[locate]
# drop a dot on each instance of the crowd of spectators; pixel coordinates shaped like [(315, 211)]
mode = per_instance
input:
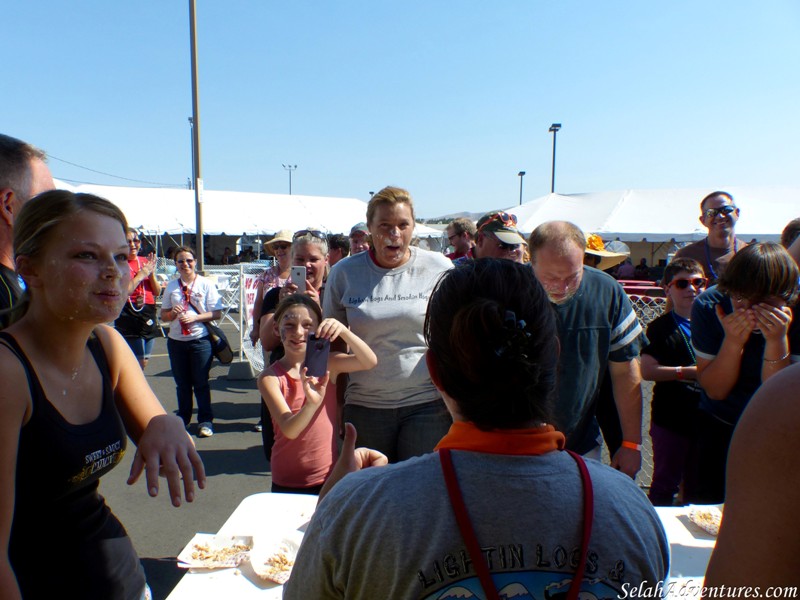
[(465, 377)]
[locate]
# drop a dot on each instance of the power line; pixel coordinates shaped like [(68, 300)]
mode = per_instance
[(79, 182), (175, 185)]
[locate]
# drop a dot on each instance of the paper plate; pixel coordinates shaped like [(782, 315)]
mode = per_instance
[(211, 551), (706, 516), (274, 561)]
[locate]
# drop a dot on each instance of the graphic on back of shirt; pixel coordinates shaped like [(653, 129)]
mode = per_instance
[(527, 585), (453, 577)]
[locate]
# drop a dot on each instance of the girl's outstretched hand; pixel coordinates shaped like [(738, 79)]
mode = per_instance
[(314, 387), (166, 449)]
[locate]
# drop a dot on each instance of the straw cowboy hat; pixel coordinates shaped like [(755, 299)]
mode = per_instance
[(596, 247)]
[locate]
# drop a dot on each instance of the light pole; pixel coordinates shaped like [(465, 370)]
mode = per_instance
[(196, 172), (191, 143), (521, 175), (290, 168), (554, 130)]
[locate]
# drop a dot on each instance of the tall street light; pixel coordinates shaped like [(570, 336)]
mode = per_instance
[(290, 168), (196, 173), (554, 130), (191, 143), (521, 175)]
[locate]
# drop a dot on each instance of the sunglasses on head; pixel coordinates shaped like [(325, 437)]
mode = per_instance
[(682, 284), (312, 232), (503, 217), (722, 210)]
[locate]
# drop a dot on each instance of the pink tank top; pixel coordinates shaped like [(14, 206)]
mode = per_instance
[(306, 460)]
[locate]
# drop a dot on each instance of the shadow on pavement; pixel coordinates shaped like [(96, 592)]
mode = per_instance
[(244, 461)]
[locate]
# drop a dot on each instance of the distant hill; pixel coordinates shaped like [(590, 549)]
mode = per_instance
[(447, 218)]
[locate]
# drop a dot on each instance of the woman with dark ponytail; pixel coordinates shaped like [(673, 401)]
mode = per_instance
[(500, 508)]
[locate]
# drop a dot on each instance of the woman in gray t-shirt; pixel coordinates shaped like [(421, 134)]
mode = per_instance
[(382, 296)]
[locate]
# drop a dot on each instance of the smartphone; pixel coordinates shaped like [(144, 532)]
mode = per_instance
[(317, 350), (298, 277)]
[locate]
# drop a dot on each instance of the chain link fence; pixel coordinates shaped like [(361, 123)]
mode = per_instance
[(647, 309)]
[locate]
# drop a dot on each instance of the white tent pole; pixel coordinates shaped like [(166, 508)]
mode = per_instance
[(242, 311)]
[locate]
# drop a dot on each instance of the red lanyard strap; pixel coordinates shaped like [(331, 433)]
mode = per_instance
[(588, 520), (465, 525), (471, 541)]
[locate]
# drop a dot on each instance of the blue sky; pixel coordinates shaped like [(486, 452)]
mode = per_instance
[(448, 99)]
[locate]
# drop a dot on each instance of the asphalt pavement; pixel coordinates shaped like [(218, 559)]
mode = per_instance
[(235, 466)]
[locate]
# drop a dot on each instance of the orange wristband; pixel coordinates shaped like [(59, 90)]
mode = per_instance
[(632, 446)]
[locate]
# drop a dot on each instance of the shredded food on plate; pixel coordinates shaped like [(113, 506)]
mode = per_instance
[(708, 518), (280, 567), (226, 554)]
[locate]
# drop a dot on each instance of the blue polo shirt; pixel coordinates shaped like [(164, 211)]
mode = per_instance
[(707, 337)]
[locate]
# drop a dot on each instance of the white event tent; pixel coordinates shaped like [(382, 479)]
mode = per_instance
[(169, 210), (157, 211), (662, 215)]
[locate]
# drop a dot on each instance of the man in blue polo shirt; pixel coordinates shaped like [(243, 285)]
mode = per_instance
[(597, 327)]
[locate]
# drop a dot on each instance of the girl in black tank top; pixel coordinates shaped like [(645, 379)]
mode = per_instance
[(85, 395)]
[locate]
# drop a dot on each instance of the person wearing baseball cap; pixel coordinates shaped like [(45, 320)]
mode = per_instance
[(359, 238), (497, 237)]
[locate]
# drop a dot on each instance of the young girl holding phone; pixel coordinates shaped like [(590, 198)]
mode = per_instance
[(302, 407)]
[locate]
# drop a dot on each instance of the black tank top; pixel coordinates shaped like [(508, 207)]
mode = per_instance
[(64, 539)]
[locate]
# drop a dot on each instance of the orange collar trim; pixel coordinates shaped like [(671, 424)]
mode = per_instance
[(533, 441)]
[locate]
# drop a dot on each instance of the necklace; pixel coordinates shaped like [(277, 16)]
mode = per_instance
[(711, 270), (685, 339), (139, 288)]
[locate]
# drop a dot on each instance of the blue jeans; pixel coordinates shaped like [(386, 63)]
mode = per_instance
[(191, 363), (142, 347), (400, 433)]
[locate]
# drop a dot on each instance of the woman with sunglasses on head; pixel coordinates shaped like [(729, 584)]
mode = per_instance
[(73, 394), (309, 250), (382, 295), (743, 333), (669, 360), (500, 510), (137, 321), (190, 301)]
